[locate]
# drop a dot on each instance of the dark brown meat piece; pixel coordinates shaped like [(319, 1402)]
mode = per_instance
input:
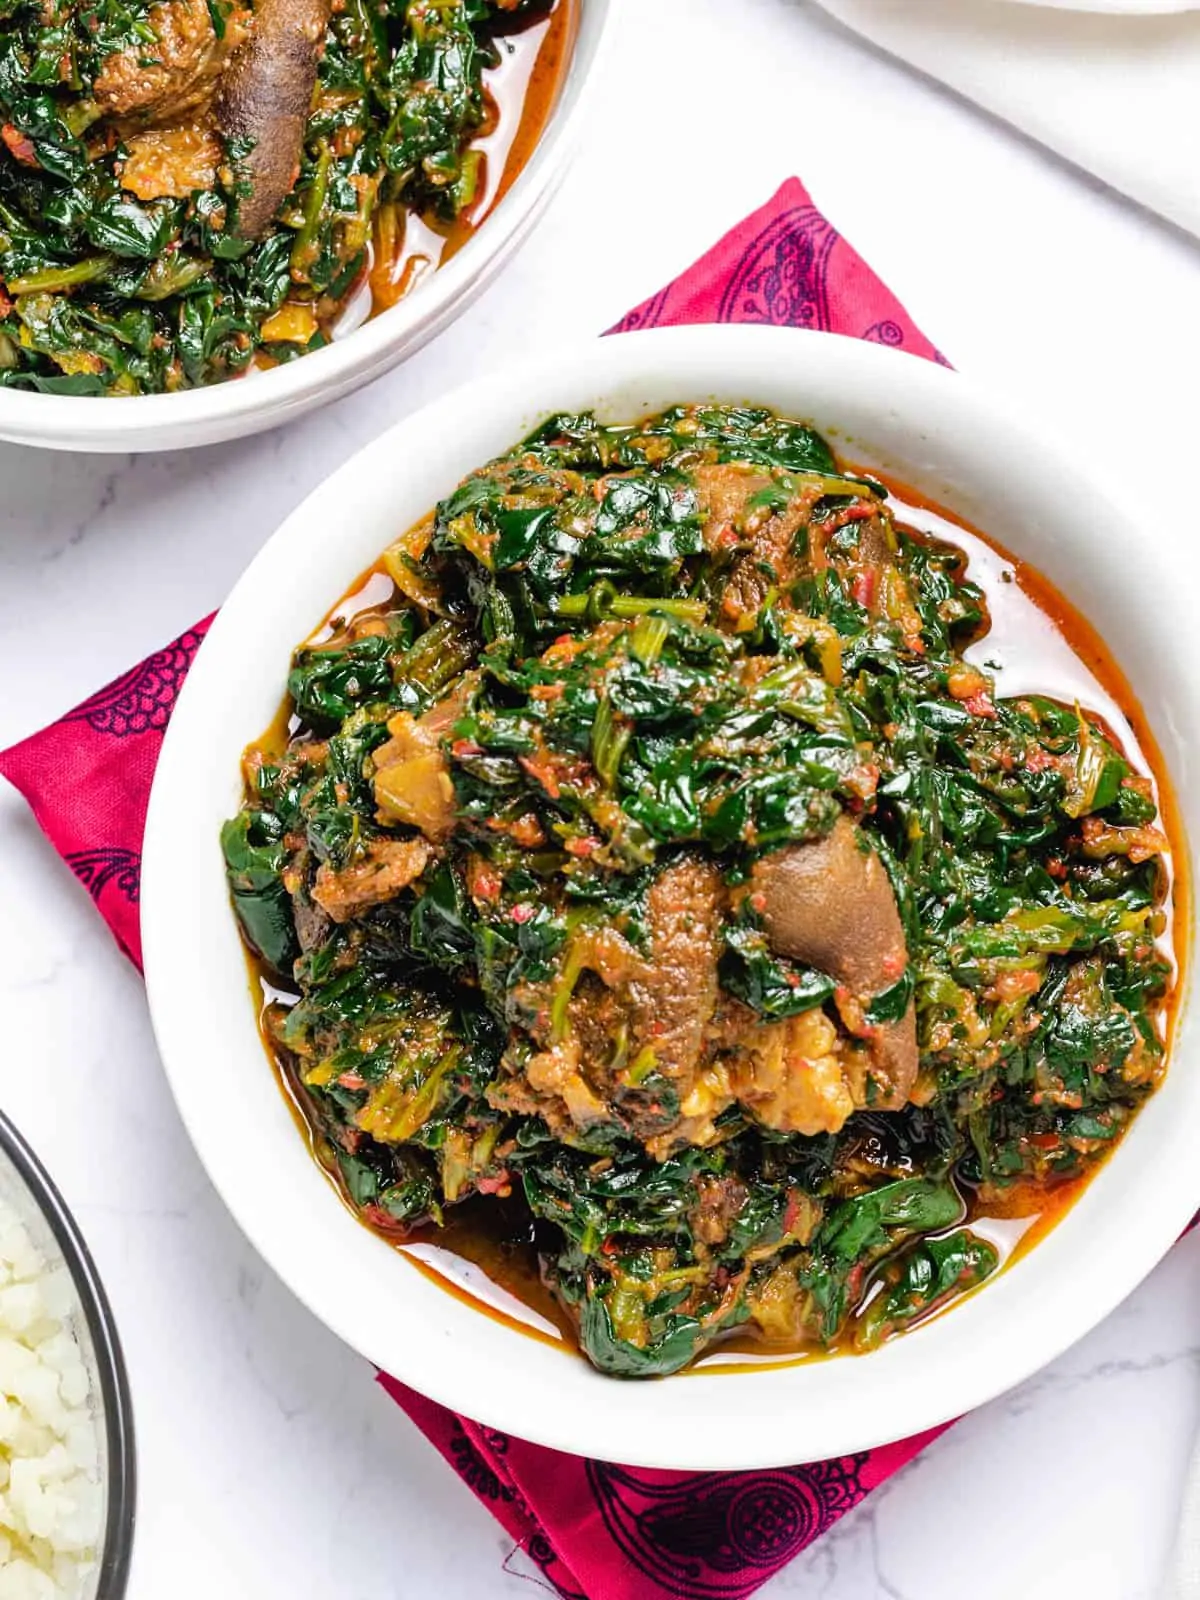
[(312, 924), (381, 872), (674, 995), (876, 543), (717, 1204), (725, 491), (657, 1008), (264, 99), (830, 905), (156, 83)]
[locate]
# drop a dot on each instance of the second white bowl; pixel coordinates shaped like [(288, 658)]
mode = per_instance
[(262, 400)]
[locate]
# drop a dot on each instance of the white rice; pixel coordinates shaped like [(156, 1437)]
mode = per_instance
[(51, 1503)]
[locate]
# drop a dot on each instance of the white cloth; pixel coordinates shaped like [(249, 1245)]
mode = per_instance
[(1117, 95)]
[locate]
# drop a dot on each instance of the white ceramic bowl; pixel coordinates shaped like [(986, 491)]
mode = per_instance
[(263, 400), (1140, 8), (928, 427)]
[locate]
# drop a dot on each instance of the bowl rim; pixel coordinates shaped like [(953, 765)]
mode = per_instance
[(1123, 8), (986, 1353), (120, 1484), (238, 407)]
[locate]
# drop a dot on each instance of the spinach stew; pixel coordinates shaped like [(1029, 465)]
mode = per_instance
[(658, 898), (192, 188)]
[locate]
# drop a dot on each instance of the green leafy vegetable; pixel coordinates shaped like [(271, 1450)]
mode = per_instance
[(399, 104), (516, 861)]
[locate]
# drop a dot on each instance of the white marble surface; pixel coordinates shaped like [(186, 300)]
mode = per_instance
[(271, 1466)]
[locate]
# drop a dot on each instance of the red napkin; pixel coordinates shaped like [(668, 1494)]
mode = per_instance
[(597, 1531)]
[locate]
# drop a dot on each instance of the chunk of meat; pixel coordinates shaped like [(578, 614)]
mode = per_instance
[(557, 1074), (781, 1310), (877, 542), (727, 492), (154, 83), (412, 776), (171, 162), (718, 1201), (830, 905), (264, 100), (868, 565), (632, 1017), (18, 146), (1136, 844), (796, 1076), (674, 993), (312, 924), (384, 868), (550, 1084)]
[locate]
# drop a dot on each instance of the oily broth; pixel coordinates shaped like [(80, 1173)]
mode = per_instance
[(1037, 642), (521, 91), (484, 1255)]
